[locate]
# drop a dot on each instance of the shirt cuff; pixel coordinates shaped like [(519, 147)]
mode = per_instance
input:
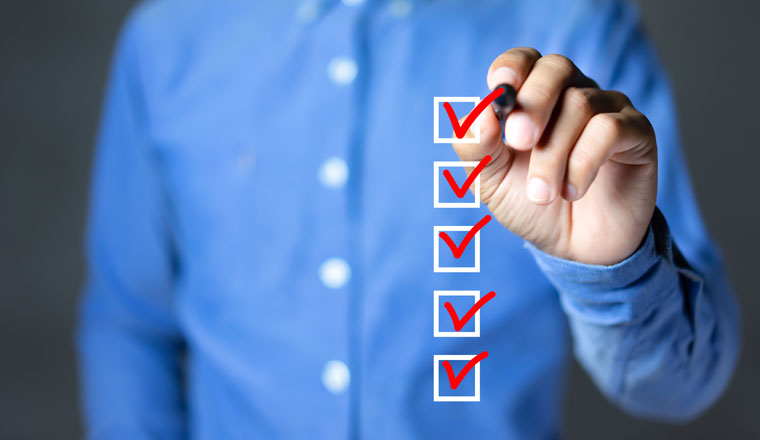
[(621, 293)]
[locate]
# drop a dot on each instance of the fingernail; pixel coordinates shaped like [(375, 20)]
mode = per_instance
[(570, 192), (520, 131), (538, 190), (502, 75)]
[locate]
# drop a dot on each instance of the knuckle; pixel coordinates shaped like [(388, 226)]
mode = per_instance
[(579, 101), (557, 59), (520, 59), (621, 98), (520, 55), (608, 126), (641, 126), (526, 52), (559, 63), (536, 94)]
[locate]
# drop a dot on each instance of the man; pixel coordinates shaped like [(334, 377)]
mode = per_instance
[(260, 235)]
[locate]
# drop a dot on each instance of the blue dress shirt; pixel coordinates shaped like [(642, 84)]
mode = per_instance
[(260, 238)]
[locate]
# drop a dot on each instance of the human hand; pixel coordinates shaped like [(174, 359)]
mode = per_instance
[(577, 176)]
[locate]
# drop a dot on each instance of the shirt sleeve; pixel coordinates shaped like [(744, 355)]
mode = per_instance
[(130, 349), (658, 332)]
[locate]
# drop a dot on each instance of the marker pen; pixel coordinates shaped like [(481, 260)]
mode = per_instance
[(504, 103)]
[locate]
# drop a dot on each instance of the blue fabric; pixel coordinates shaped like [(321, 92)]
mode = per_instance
[(204, 314)]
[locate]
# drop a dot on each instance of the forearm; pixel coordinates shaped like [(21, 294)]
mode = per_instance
[(658, 338)]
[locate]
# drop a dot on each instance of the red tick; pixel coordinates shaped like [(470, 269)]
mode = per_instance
[(461, 130), (460, 323), (455, 380), (459, 250), (460, 192)]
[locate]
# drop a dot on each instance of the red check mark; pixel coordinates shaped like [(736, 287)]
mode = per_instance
[(460, 192), (455, 380), (461, 130), (460, 323), (459, 250)]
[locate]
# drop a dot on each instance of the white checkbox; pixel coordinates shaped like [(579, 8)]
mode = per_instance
[(437, 104), (437, 359), (437, 165), (437, 333), (436, 250)]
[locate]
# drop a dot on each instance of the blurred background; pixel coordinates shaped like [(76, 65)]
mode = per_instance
[(54, 57)]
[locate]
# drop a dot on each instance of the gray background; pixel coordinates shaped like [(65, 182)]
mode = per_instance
[(53, 63)]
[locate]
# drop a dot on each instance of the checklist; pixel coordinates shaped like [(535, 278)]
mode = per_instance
[(457, 313), (457, 241), (439, 102), (463, 386), (442, 170)]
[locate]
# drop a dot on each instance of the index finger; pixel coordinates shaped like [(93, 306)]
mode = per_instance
[(512, 67)]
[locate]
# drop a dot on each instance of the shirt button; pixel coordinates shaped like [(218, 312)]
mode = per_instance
[(334, 273), (308, 11), (342, 70), (352, 2), (333, 173), (400, 8), (336, 377)]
